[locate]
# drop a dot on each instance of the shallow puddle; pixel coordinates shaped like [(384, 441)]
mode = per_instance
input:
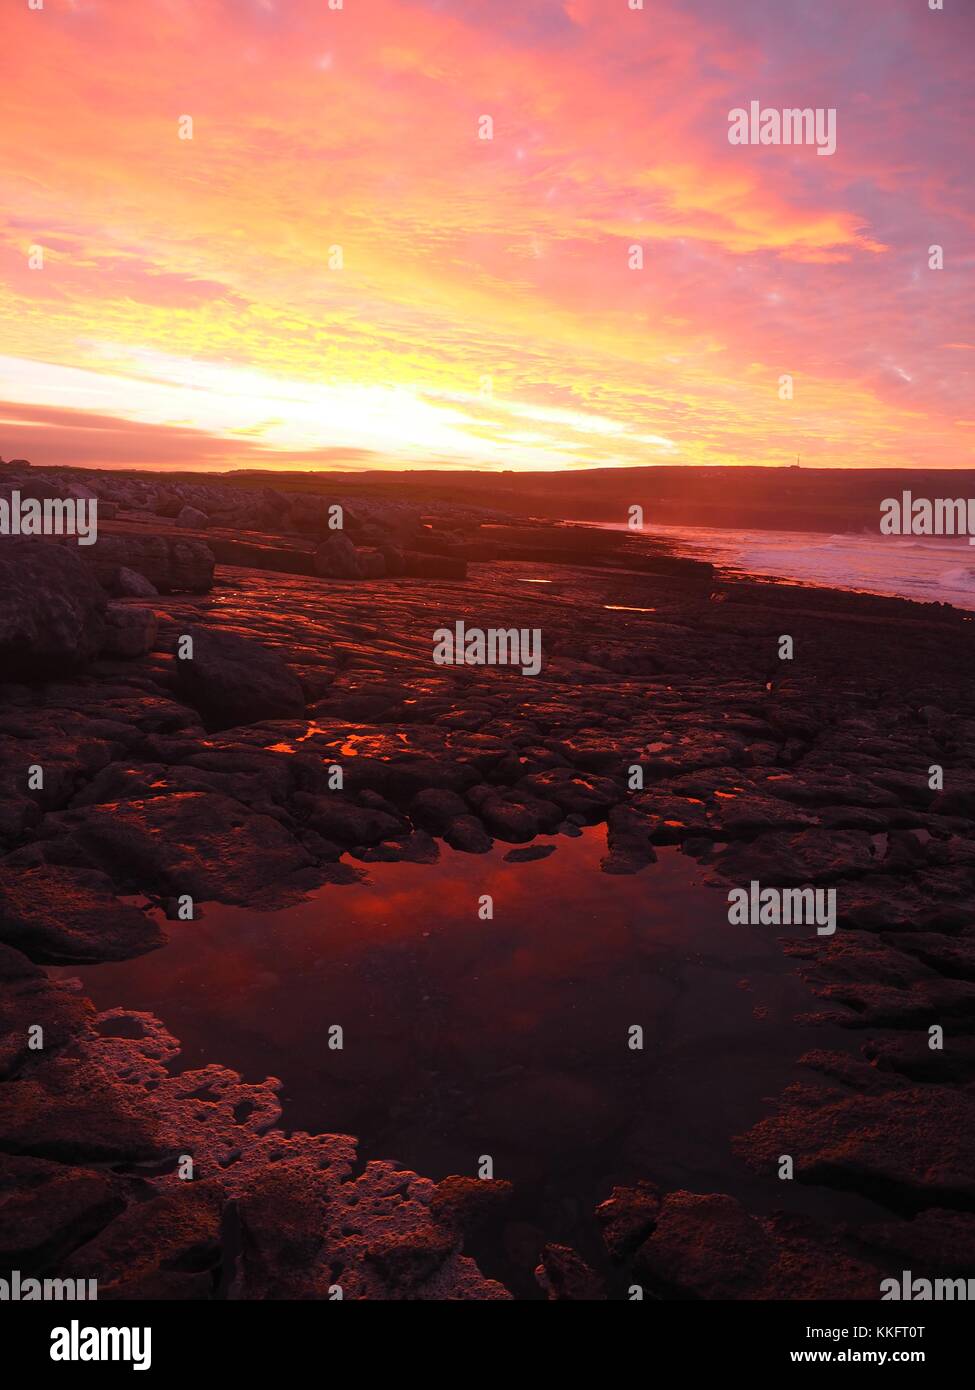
[(507, 1037)]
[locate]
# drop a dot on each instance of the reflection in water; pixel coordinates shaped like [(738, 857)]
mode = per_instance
[(507, 1037)]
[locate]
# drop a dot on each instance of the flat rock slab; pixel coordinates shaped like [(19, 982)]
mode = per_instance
[(70, 1111), (28, 999), (48, 1209), (234, 680), (908, 1147), (707, 1246), (197, 843), (167, 1246), (65, 916)]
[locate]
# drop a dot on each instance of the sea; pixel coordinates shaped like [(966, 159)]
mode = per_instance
[(937, 569)]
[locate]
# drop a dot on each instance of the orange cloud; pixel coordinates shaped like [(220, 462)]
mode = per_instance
[(336, 260)]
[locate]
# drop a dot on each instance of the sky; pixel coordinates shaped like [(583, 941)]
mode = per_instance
[(329, 265)]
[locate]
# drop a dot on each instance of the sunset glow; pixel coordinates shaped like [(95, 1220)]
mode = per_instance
[(189, 310)]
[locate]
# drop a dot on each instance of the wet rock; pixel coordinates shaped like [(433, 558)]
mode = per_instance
[(29, 999), (832, 787), (466, 833), (282, 1221), (628, 837), (934, 1244), (911, 1057), (883, 986), (750, 814), (937, 901), (482, 751), (378, 518), (165, 1248), (908, 1147), (565, 1276), (233, 680), (342, 821), (69, 1111), (627, 1218), (436, 807), (670, 819), (815, 1262), (528, 855), (51, 609), (585, 793), (171, 566), (707, 1246), (378, 803), (48, 1209), (412, 847), (782, 860), (129, 631), (506, 820), (405, 1261), (393, 560), (71, 916), (199, 843), (464, 1204), (17, 815)]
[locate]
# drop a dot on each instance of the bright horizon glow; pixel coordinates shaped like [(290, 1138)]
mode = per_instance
[(485, 315)]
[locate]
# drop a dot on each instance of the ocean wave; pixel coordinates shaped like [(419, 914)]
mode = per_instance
[(912, 567)]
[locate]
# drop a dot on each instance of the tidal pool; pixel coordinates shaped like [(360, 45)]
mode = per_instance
[(507, 1037)]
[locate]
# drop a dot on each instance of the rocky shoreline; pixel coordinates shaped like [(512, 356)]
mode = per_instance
[(213, 779)]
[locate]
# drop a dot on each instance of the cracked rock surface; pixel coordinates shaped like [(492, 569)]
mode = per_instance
[(215, 781)]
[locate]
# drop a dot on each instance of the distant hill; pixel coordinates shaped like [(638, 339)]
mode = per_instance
[(796, 499), (800, 499)]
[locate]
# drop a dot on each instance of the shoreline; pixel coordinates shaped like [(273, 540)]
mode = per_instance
[(770, 556)]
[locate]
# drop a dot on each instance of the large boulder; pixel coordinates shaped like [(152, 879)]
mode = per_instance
[(131, 584), (234, 680), (130, 630), (337, 558), (192, 519), (172, 566), (51, 608)]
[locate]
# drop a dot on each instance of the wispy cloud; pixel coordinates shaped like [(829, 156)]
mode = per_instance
[(486, 311)]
